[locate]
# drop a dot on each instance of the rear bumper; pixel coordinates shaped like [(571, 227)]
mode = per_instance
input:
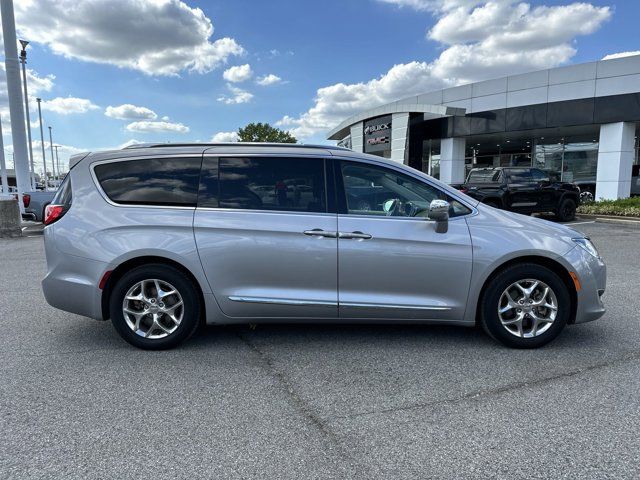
[(71, 283)]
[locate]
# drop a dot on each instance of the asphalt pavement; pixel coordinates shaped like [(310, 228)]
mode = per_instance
[(339, 401)]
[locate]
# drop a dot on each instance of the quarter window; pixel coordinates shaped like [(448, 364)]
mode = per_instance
[(519, 175), (155, 181), (372, 190), (539, 176), (264, 183)]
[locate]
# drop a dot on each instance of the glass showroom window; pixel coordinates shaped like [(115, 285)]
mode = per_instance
[(431, 157), (575, 161)]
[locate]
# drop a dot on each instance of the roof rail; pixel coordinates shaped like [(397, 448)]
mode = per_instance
[(232, 144)]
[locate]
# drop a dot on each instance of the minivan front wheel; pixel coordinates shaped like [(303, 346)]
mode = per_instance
[(155, 307), (525, 306)]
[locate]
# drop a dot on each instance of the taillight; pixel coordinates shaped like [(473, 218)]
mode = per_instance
[(464, 189), (53, 213), (26, 200)]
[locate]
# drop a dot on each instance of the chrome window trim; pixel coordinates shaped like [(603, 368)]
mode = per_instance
[(278, 212), (104, 195)]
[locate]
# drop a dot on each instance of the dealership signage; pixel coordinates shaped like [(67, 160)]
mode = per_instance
[(377, 134), (369, 129)]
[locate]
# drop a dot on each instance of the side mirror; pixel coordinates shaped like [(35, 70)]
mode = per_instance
[(439, 212)]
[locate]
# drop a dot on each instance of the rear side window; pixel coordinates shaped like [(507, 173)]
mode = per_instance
[(539, 176), (520, 175), (485, 176), (264, 183), (155, 181), (63, 195)]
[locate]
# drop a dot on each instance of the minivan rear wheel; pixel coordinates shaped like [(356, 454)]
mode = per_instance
[(525, 306), (155, 307)]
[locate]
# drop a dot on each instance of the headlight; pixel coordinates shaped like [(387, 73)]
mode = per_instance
[(586, 244)]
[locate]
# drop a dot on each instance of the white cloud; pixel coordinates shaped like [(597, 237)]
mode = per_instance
[(611, 56), (267, 80), (37, 85), (225, 137), (128, 111), (237, 96), (337, 102), (157, 37), (146, 126), (494, 39), (68, 105), (433, 5), (238, 73), (502, 38)]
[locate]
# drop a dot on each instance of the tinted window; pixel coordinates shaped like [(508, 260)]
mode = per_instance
[(157, 181), (519, 175), (490, 121), (485, 176), (526, 118), (617, 108), (63, 195), (268, 183), (539, 176), (570, 112), (372, 190)]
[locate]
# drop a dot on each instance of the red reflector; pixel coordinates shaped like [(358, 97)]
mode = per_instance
[(53, 213), (104, 279), (26, 200)]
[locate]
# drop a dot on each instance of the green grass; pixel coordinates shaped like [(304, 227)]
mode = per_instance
[(626, 207)]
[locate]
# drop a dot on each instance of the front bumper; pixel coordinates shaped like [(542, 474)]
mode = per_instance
[(592, 274)]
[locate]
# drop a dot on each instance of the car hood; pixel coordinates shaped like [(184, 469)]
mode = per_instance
[(502, 218)]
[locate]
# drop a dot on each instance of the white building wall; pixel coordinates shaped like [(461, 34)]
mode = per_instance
[(615, 158), (452, 160), (357, 141), (399, 136)]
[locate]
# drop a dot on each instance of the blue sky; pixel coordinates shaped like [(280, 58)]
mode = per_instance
[(347, 47)]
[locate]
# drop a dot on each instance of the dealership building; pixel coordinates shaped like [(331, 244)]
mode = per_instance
[(580, 120)]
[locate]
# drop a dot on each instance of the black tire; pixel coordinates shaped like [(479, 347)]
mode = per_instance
[(493, 203), (490, 301), (566, 210), (165, 273)]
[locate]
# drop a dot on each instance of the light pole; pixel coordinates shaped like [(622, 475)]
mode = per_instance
[(57, 159), (53, 159), (3, 165), (44, 158), (23, 61), (16, 105)]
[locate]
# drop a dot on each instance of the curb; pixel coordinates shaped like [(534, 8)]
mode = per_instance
[(610, 218)]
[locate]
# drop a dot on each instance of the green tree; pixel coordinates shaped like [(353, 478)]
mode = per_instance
[(263, 132)]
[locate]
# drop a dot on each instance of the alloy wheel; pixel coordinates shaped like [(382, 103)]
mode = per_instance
[(527, 308), (153, 309)]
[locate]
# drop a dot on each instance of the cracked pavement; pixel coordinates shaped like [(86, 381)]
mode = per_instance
[(318, 401)]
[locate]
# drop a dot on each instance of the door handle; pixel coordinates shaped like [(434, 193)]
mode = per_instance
[(354, 235), (317, 232)]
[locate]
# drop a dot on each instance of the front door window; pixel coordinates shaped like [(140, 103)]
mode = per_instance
[(379, 191)]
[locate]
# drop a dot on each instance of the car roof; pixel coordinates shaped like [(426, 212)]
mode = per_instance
[(241, 148)]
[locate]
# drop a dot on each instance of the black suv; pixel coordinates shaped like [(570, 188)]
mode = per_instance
[(523, 190)]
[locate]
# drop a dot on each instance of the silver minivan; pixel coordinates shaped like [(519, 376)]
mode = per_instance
[(162, 238)]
